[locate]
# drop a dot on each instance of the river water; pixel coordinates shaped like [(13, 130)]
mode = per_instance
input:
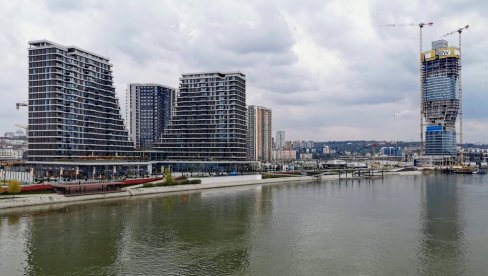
[(401, 225)]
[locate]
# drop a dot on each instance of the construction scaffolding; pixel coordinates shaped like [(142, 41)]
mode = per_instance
[(440, 70)]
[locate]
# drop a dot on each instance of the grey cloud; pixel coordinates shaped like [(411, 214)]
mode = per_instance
[(67, 5), (326, 68)]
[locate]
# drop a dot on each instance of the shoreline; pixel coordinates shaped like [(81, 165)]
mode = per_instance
[(43, 199), (49, 199)]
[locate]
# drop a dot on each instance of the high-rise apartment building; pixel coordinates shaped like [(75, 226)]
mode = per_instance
[(209, 119), (280, 139), (440, 97), (260, 140), (73, 110), (148, 110)]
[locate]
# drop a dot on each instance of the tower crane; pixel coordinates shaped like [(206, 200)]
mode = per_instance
[(17, 105), (373, 165), (421, 25), (460, 93)]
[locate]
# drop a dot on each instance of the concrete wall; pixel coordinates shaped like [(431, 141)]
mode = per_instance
[(224, 181), (228, 179)]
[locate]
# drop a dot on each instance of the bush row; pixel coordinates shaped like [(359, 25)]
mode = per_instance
[(177, 181)]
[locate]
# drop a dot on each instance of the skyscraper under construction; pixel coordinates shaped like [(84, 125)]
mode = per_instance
[(440, 98)]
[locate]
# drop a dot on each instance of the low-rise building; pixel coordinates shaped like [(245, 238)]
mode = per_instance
[(11, 154), (284, 155), (306, 156)]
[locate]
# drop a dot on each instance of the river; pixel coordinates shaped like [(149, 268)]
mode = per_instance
[(399, 225)]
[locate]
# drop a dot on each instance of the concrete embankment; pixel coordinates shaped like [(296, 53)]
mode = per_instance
[(207, 183)]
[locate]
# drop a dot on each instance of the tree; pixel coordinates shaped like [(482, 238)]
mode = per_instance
[(13, 187), (168, 176)]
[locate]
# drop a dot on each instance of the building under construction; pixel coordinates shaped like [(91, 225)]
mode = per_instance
[(441, 70)]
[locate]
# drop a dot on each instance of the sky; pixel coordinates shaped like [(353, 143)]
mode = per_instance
[(330, 70)]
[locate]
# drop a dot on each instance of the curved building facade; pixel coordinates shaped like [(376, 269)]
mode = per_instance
[(440, 95), (209, 119), (73, 110)]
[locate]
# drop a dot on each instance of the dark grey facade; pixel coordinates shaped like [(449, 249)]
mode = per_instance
[(149, 108), (73, 110), (209, 119)]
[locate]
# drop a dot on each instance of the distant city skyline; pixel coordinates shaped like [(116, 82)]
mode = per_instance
[(334, 77)]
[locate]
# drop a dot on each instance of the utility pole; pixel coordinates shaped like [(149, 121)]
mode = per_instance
[(460, 93)]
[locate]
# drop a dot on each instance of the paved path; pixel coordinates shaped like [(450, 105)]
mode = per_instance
[(32, 200)]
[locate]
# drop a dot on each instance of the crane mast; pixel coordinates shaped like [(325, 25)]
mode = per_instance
[(460, 93), (421, 26)]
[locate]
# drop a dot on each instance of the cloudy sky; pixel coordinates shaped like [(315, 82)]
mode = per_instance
[(328, 69)]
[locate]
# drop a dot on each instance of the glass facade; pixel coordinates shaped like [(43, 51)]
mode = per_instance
[(149, 108), (73, 109), (440, 69), (209, 119), (440, 141)]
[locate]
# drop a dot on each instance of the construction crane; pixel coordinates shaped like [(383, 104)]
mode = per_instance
[(21, 126), (421, 26), (17, 105), (373, 165), (460, 93)]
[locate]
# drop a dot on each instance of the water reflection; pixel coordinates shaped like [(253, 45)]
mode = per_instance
[(184, 232), (78, 239), (442, 249), (402, 226)]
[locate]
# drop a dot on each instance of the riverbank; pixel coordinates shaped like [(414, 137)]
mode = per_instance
[(44, 199), (138, 190)]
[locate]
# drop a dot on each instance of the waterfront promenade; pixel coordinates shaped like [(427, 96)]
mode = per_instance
[(138, 190), (221, 182)]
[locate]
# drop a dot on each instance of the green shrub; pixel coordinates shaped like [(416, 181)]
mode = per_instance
[(183, 182), (13, 187), (196, 181), (169, 184), (168, 177)]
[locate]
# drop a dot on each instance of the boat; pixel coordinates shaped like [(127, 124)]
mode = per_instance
[(465, 170)]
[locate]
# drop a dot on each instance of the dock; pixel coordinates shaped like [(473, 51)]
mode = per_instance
[(88, 188)]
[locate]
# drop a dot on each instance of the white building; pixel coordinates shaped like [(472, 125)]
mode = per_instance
[(280, 139), (10, 154)]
